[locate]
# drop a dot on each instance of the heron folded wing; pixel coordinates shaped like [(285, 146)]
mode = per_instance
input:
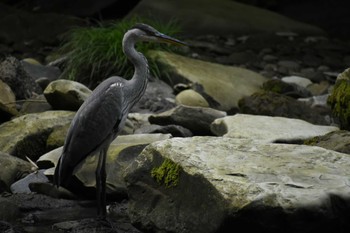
[(93, 124)]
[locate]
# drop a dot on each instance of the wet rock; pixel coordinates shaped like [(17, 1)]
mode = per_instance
[(208, 45), (235, 180), (9, 228), (319, 88), (57, 137), (27, 135), (300, 81), (237, 58), (7, 102), (122, 151), (269, 58), (273, 104), (212, 77), (12, 169), (158, 97), (191, 98), (118, 222), (43, 82), (85, 225), (38, 212), (268, 129), (35, 104), (36, 70), (196, 119), (174, 130), (313, 75), (339, 99), (48, 189), (288, 89), (8, 212), (22, 185), (317, 101), (288, 67), (20, 82), (336, 140), (49, 160), (66, 94), (138, 120)]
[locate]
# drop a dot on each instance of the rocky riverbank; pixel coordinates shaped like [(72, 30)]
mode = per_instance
[(237, 134)]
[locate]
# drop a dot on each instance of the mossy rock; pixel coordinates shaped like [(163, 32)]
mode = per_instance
[(289, 89), (337, 140), (167, 173), (339, 100), (27, 135), (273, 104)]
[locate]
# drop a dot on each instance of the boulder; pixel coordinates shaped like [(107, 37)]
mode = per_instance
[(35, 104), (274, 104), (27, 135), (202, 17), (174, 130), (40, 71), (191, 98), (336, 140), (66, 94), (215, 184), (285, 88), (20, 82), (300, 81), (339, 100), (12, 169), (268, 129), (225, 84), (9, 212), (22, 185), (122, 151), (158, 97), (196, 119), (7, 102)]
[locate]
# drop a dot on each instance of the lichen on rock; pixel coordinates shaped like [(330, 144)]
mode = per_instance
[(339, 100), (167, 173)]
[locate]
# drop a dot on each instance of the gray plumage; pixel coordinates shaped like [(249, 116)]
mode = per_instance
[(102, 116)]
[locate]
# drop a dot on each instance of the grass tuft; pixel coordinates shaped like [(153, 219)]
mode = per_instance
[(95, 53)]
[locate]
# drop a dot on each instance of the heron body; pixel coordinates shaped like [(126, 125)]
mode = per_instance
[(102, 116)]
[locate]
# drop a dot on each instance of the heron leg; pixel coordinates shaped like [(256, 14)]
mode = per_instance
[(101, 184)]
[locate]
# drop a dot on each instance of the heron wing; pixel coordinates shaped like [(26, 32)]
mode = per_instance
[(96, 123)]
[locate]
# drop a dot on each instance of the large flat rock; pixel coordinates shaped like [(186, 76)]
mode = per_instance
[(268, 128), (225, 84), (212, 184)]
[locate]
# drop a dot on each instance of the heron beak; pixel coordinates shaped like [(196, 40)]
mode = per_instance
[(168, 39)]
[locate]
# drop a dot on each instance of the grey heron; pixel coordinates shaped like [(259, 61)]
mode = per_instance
[(102, 116)]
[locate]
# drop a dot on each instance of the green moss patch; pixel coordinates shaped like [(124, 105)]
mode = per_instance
[(339, 100), (312, 141), (167, 173)]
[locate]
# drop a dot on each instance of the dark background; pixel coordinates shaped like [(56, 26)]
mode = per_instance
[(331, 15)]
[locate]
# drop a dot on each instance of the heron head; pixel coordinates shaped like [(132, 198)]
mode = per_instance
[(148, 33)]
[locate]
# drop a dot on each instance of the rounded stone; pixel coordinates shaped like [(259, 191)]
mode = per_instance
[(191, 98)]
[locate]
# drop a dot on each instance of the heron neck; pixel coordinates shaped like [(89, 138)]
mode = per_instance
[(139, 80), (141, 72)]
